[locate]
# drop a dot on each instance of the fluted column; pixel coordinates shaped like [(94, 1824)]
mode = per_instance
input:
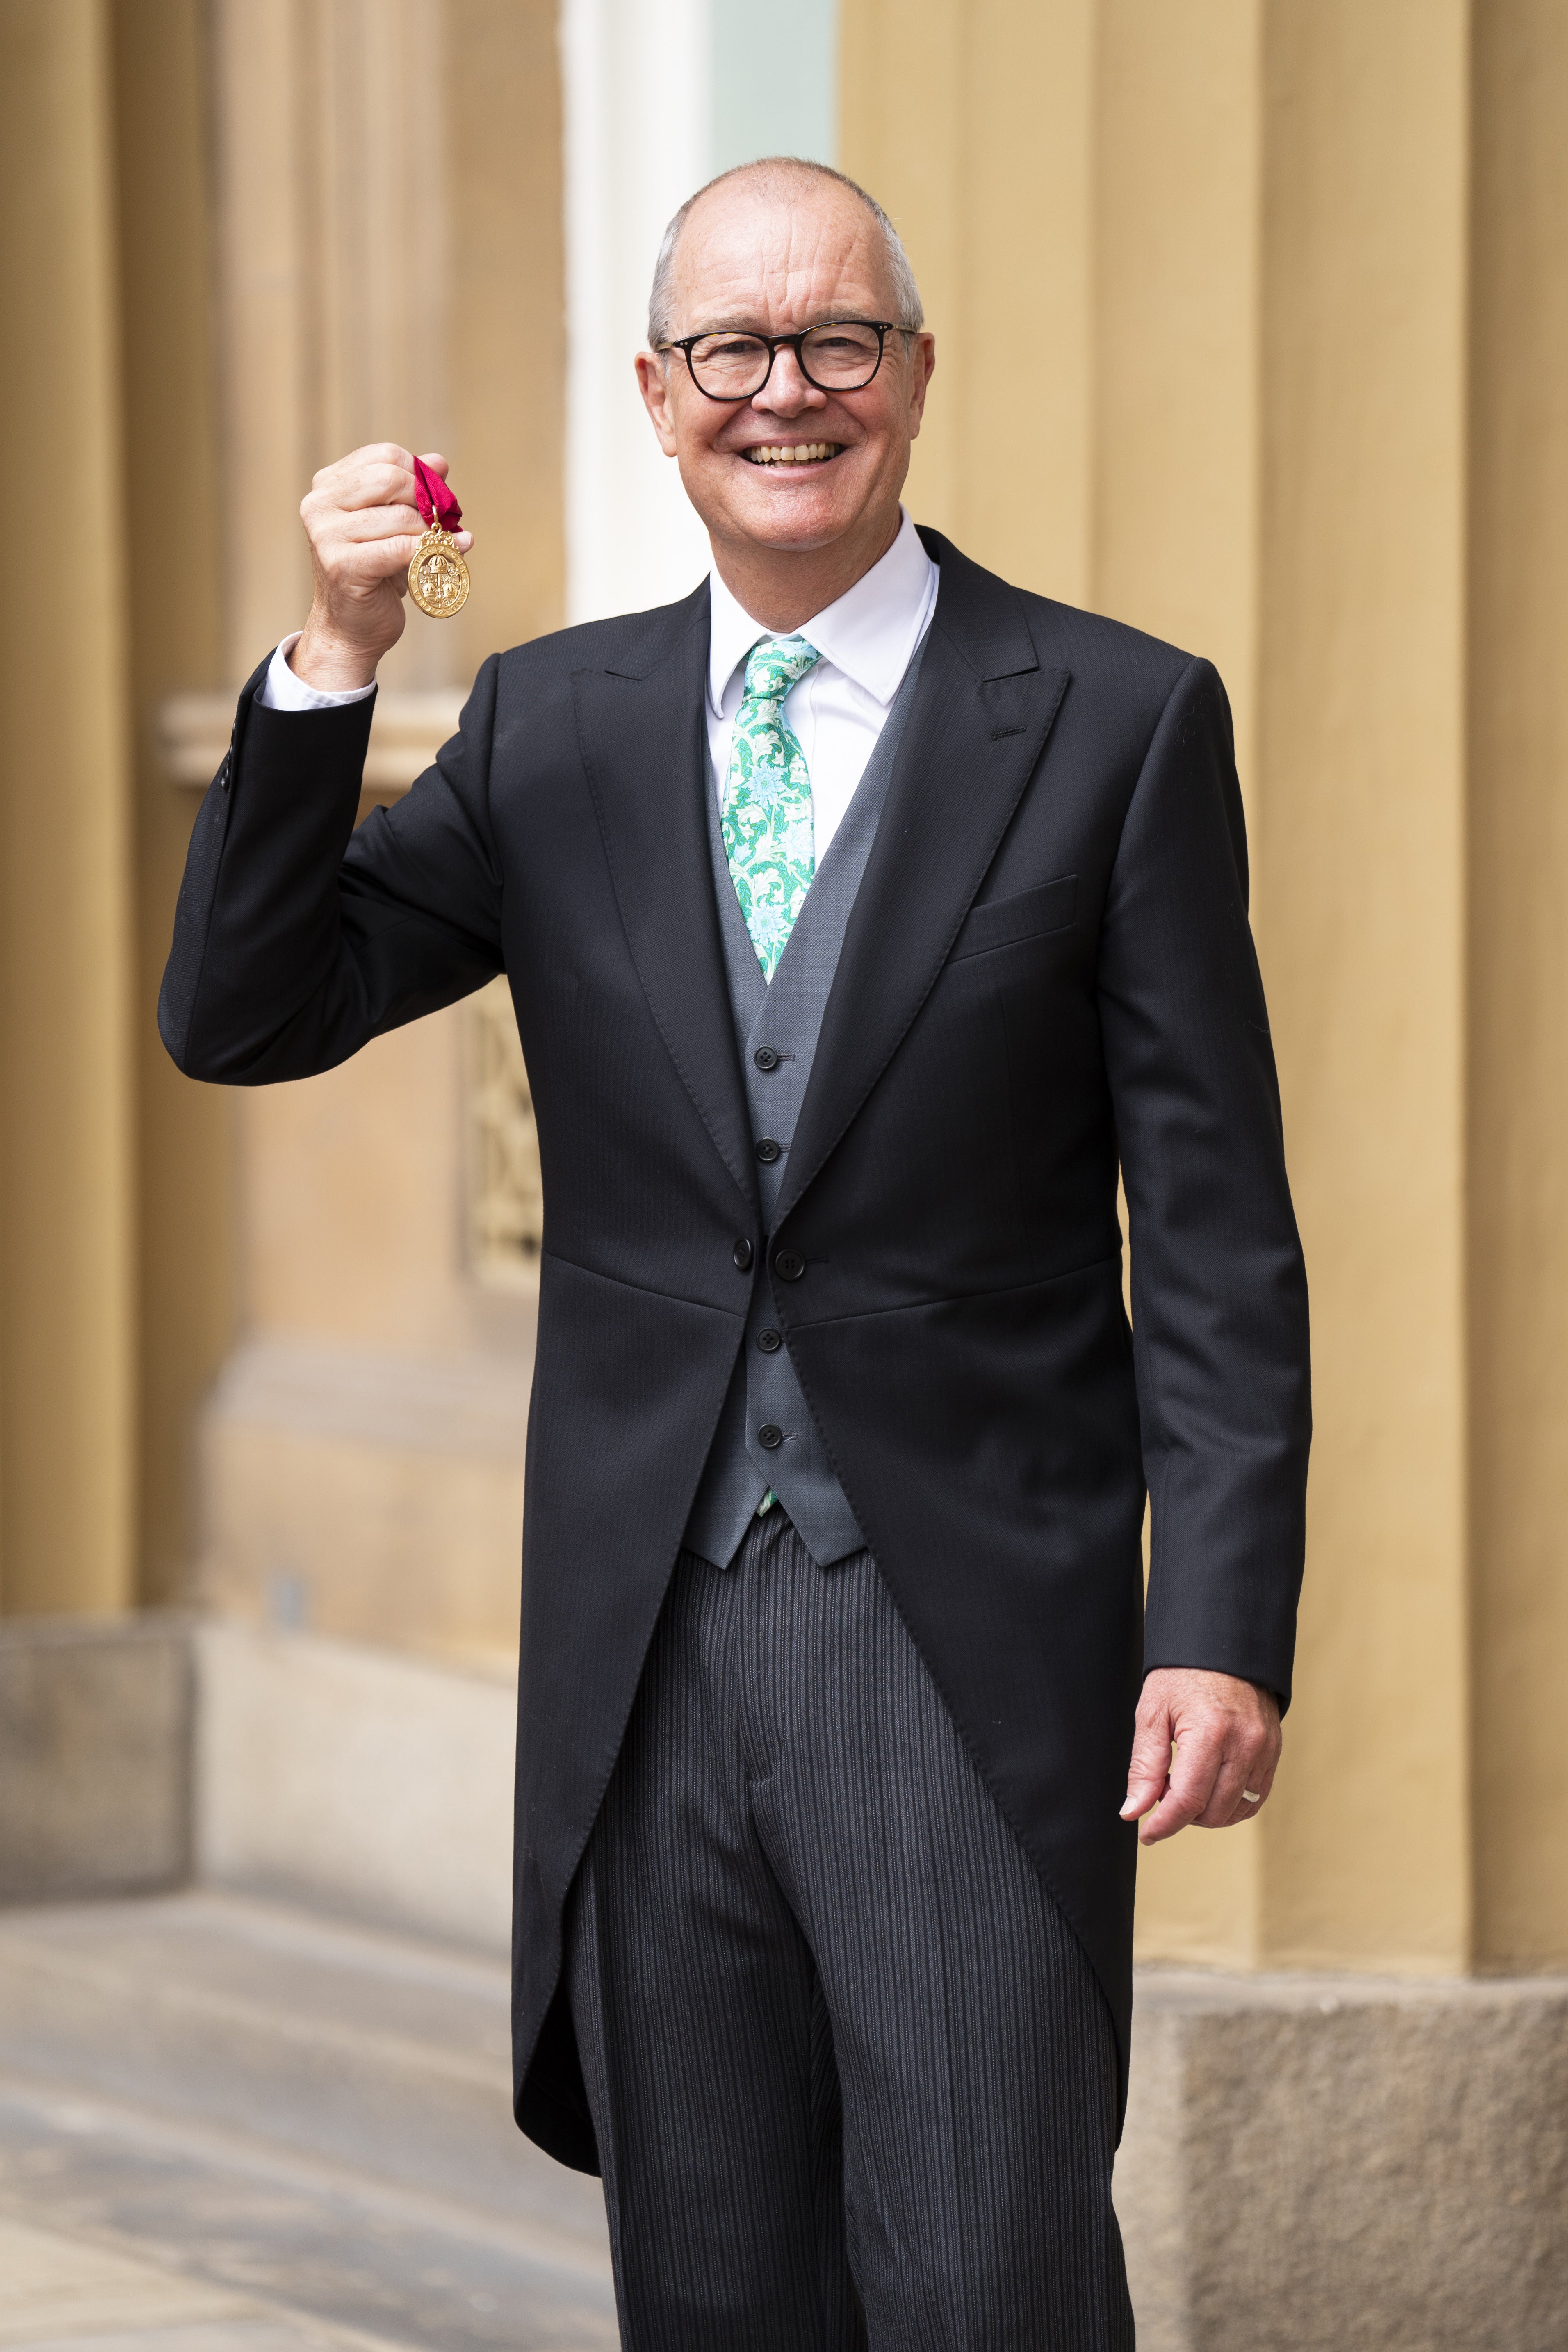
[(1199, 279), (66, 1179)]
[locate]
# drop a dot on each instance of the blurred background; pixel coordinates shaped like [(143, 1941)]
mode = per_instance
[(1252, 329)]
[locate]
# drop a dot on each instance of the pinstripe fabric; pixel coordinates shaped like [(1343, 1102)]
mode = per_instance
[(836, 2035)]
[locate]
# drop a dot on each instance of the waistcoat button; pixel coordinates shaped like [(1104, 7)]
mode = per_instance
[(768, 1150), (770, 1435), (770, 1343), (742, 1257), (765, 1058), (789, 1265)]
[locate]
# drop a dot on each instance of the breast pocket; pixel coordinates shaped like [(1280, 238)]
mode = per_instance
[(1027, 915)]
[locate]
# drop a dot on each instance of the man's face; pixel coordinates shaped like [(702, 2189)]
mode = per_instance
[(774, 258)]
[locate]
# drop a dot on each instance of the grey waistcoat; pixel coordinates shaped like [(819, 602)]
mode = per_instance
[(783, 1019)]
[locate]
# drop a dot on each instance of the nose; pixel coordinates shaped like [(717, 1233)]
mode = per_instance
[(787, 391)]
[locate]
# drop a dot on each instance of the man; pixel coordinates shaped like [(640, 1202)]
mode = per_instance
[(863, 915)]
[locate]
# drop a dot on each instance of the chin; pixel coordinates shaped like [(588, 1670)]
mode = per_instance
[(801, 538), (792, 515), (802, 516)]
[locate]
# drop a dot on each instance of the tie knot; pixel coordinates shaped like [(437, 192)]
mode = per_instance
[(774, 665)]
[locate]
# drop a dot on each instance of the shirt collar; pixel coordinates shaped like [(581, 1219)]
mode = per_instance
[(869, 632)]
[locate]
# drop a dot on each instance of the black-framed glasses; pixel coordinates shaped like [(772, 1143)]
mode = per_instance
[(841, 356)]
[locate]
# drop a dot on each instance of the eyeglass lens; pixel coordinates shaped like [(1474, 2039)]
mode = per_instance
[(834, 358)]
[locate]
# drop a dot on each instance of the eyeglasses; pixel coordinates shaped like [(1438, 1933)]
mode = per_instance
[(842, 356)]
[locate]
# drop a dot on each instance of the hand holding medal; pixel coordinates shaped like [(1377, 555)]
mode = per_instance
[(363, 515), (437, 575)]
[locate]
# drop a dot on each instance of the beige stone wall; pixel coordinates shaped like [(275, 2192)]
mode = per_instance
[(184, 1166), (1360, 830), (389, 268), (68, 1479), (1517, 972), (1252, 316), (245, 235), (1250, 322)]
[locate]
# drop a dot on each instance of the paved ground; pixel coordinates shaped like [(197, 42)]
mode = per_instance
[(227, 2126)]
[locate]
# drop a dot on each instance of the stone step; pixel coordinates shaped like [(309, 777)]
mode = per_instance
[(284, 2107)]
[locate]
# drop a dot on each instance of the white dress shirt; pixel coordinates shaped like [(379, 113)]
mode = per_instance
[(281, 690), (867, 640)]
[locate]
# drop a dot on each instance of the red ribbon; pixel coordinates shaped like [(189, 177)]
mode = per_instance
[(438, 508)]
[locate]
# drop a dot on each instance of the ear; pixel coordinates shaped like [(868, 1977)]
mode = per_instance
[(923, 360), (653, 383)]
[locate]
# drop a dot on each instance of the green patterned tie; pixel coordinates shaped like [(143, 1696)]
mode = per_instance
[(770, 838)]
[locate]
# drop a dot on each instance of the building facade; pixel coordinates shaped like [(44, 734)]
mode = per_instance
[(1252, 321)]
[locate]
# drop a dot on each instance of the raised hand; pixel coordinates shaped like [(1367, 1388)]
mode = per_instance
[(363, 521)]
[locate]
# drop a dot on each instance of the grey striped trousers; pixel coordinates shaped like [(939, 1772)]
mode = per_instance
[(853, 2080)]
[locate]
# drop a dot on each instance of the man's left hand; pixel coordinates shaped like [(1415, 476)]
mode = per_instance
[(1227, 1739)]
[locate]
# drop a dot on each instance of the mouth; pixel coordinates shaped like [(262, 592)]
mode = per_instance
[(792, 453)]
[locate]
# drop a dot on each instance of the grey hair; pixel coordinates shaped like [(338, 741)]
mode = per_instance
[(906, 293)]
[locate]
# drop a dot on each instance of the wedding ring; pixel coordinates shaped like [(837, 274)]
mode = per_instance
[(1251, 1797)]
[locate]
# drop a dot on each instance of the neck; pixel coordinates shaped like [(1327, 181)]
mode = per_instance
[(782, 587)]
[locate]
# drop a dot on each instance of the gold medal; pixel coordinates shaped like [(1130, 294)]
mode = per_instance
[(438, 576)]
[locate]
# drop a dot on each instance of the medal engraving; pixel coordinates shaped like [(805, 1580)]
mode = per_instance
[(438, 576)]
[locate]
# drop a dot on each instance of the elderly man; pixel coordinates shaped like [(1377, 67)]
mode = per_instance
[(864, 916)]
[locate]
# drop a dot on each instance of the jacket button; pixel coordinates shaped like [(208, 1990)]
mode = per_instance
[(765, 1058), (742, 1255), (770, 1435), (768, 1150), (789, 1265), (770, 1343)]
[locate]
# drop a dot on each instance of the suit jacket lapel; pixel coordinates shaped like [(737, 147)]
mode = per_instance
[(640, 731), (982, 710)]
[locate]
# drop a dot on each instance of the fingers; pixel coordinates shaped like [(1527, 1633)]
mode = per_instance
[(1247, 1808), (1218, 1741), (360, 525), (364, 563), (359, 489), (375, 452), (1253, 1795), (1149, 1772), (1192, 1778), (1243, 1768), (380, 474), (365, 525), (362, 518)]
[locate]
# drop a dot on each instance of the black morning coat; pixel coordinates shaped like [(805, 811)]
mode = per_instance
[(1048, 975)]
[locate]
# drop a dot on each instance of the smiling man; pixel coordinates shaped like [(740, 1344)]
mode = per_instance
[(864, 917)]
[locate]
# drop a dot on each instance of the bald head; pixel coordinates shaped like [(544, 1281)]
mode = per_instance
[(798, 480), (788, 182)]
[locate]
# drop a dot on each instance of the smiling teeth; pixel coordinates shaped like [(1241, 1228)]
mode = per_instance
[(793, 453)]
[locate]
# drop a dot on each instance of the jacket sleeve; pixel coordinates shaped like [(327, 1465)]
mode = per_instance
[(1219, 1294), (296, 938)]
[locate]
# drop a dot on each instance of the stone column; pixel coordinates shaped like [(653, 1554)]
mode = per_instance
[(1176, 486), (659, 94), (636, 90), (389, 268), (1247, 435), (66, 1173), (185, 1169), (1289, 278), (1361, 850), (1517, 1301)]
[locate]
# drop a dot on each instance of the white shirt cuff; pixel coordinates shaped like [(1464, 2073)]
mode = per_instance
[(281, 690)]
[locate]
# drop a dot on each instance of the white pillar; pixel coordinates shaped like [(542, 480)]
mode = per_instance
[(658, 95), (635, 80)]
